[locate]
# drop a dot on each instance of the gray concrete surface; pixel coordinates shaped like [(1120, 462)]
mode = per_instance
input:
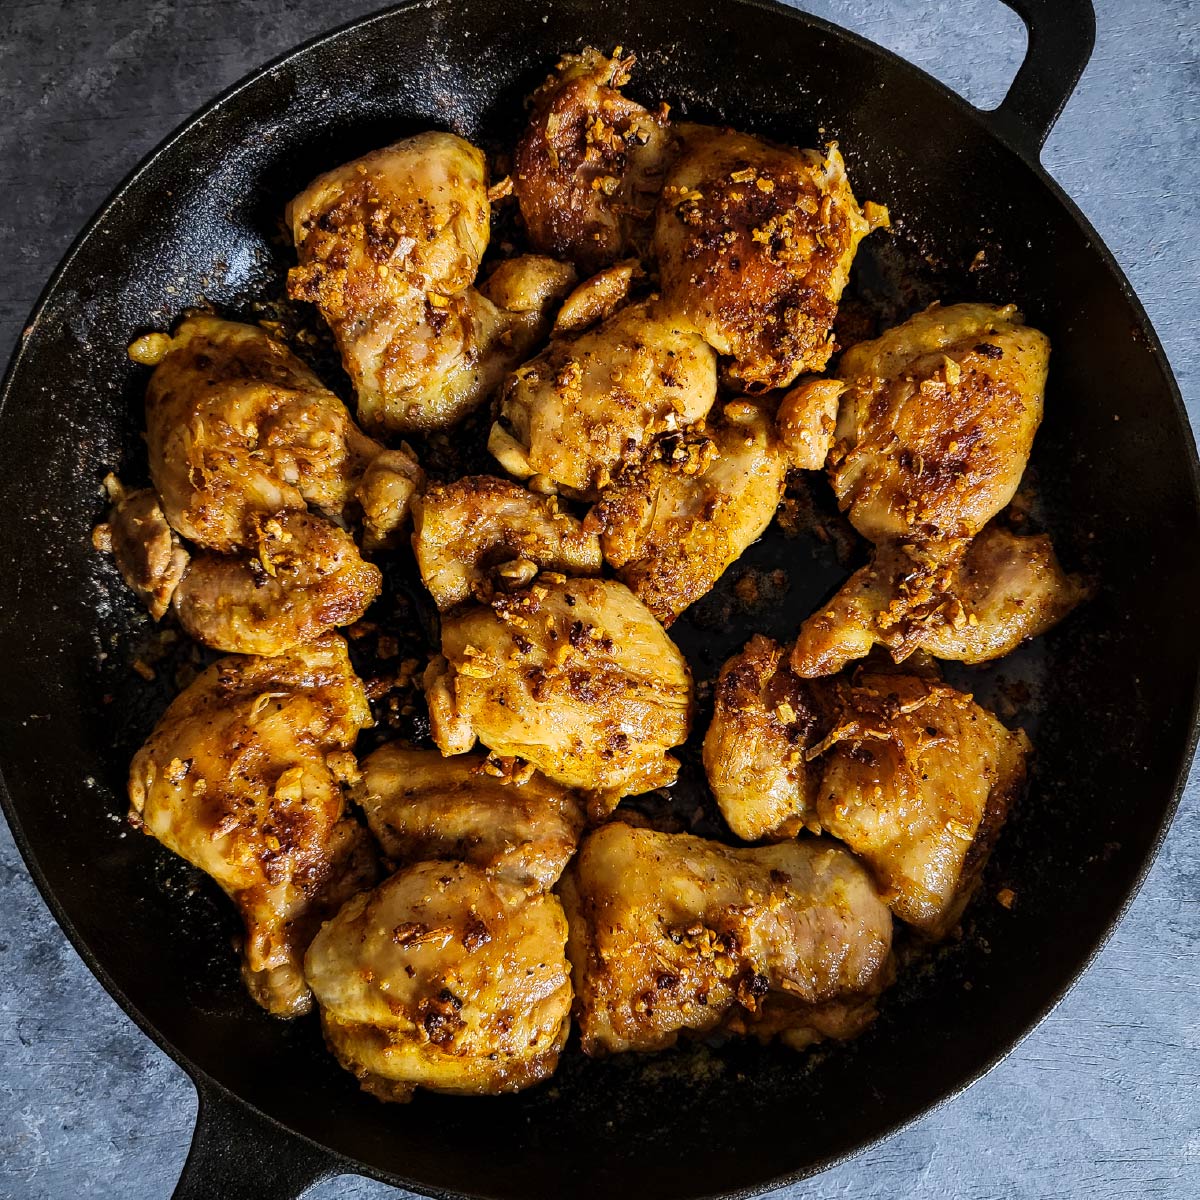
[(1103, 1100)]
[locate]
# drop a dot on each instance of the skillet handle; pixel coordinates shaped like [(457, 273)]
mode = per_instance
[(1062, 34), (238, 1155)]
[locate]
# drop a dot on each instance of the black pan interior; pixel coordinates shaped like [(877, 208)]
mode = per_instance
[(1108, 697)]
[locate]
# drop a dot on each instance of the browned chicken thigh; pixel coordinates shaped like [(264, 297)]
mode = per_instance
[(480, 532), (674, 523), (305, 578), (764, 721), (673, 934), (970, 601), (444, 978), (242, 777), (754, 244), (591, 162), (574, 676), (423, 806), (389, 247), (591, 403), (918, 781), (937, 422)]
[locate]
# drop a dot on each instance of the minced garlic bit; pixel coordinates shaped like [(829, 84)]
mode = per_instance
[(1006, 897), (150, 349)]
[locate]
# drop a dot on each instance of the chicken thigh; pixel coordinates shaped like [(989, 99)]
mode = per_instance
[(444, 978), (754, 244), (389, 246), (764, 721), (970, 601), (672, 525), (937, 422), (591, 162), (242, 777), (918, 782), (423, 806), (465, 530), (673, 934), (573, 676), (306, 578), (589, 404), (239, 429)]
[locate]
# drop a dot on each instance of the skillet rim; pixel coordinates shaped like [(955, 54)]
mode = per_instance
[(211, 1091)]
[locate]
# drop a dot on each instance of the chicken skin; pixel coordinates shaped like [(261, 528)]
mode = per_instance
[(754, 244), (389, 246), (673, 934), (479, 532), (242, 777), (306, 579), (764, 721), (918, 781), (673, 525), (591, 163), (589, 404), (239, 429), (937, 422), (422, 806), (969, 601), (147, 551), (574, 676), (444, 978)]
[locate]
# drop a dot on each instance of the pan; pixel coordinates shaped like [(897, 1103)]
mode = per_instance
[(1109, 697)]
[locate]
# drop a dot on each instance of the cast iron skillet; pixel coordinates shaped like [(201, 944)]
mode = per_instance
[(1110, 696)]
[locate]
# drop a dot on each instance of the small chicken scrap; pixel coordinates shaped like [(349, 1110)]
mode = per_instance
[(242, 777), (446, 978), (671, 934), (591, 162), (574, 676), (754, 244), (519, 828), (389, 247)]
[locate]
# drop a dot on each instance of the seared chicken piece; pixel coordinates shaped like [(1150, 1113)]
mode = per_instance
[(673, 934), (423, 806), (148, 552), (587, 405), (464, 530), (574, 676), (242, 777), (591, 162), (754, 244), (389, 246), (806, 421), (306, 579), (239, 430), (918, 782), (764, 721), (446, 979), (937, 421), (386, 493), (971, 601), (673, 525)]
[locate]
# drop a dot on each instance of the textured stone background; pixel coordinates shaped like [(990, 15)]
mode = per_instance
[(1103, 1100)]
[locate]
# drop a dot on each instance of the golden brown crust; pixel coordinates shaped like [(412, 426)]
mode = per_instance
[(306, 578), (590, 163), (241, 777), (938, 421), (764, 721), (754, 244)]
